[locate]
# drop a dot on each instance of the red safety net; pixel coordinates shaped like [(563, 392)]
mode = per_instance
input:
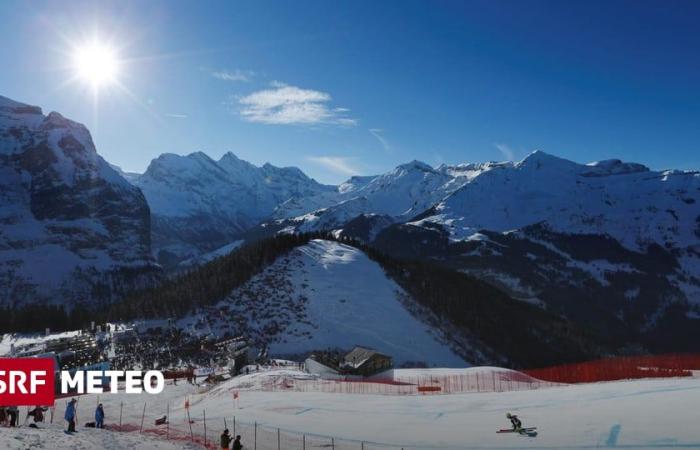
[(620, 368)]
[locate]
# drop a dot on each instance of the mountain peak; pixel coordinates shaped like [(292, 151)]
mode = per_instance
[(229, 156), (416, 165), (614, 167), (200, 156), (538, 159)]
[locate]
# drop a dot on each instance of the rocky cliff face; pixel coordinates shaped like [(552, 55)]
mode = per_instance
[(72, 229)]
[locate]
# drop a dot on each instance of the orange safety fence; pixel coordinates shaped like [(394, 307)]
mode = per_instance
[(620, 368)]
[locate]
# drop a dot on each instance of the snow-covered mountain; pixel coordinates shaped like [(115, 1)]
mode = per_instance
[(397, 195), (612, 244), (72, 229), (311, 300), (609, 242), (198, 204), (635, 206)]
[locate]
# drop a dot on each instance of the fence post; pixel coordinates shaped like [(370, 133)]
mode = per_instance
[(363, 445), (143, 414), (167, 422), (278, 439), (304, 442), (255, 436), (189, 421), (333, 443), (205, 427), (234, 425), (121, 407)]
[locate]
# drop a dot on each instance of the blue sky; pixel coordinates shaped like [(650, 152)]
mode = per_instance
[(359, 87)]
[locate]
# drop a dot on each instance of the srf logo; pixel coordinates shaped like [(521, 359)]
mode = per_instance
[(26, 381)]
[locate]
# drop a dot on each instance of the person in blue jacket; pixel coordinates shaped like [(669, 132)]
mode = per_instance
[(99, 416), (70, 415)]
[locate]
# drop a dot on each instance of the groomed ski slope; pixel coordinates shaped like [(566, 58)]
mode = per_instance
[(653, 413)]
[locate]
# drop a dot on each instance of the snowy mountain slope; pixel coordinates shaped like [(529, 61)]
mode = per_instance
[(399, 194), (610, 244), (199, 204), (326, 295), (72, 229), (635, 206)]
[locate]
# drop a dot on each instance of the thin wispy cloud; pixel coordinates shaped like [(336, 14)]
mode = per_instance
[(233, 75), (176, 116), (283, 104), (338, 164), (507, 153), (377, 133)]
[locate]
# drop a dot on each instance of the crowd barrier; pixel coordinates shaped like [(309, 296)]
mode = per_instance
[(194, 427)]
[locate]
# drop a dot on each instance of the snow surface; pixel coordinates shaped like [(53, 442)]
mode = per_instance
[(352, 302), (23, 339), (403, 192), (327, 295), (54, 437), (626, 201), (192, 185), (651, 413)]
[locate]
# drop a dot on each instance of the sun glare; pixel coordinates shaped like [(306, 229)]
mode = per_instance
[(96, 64)]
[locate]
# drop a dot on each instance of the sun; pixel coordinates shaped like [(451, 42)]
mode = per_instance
[(96, 64)]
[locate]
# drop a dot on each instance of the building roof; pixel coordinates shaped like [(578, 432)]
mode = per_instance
[(359, 355)]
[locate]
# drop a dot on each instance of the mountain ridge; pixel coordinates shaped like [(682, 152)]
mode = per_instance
[(73, 230)]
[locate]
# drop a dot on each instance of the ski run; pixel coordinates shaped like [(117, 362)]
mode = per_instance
[(598, 415)]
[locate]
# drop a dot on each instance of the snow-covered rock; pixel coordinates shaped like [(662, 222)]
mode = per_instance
[(400, 194), (626, 201), (198, 204), (72, 229)]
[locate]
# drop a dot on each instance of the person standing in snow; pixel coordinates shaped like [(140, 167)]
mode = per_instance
[(70, 415), (517, 424), (225, 440), (3, 416), (13, 412), (237, 443), (99, 416)]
